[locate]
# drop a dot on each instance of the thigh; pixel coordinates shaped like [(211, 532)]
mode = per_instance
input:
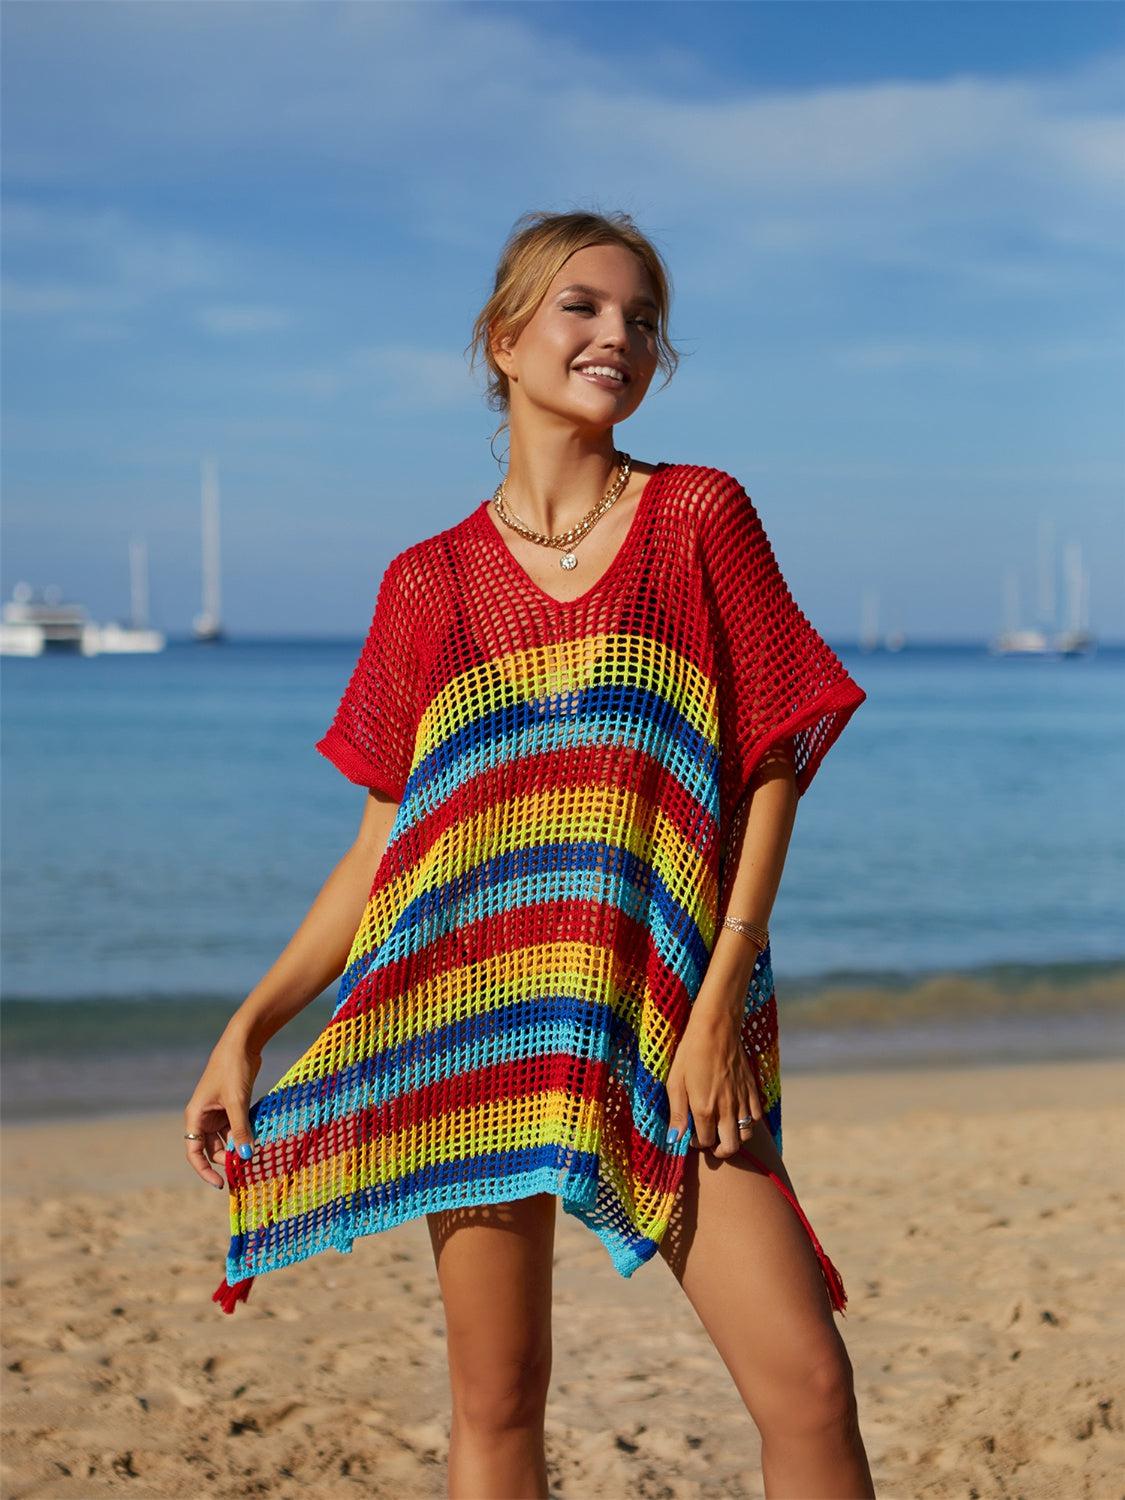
[(494, 1264), (747, 1265)]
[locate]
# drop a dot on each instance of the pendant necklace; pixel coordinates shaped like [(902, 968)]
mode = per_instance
[(565, 540)]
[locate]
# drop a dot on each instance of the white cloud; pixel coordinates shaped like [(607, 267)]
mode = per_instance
[(395, 375), (991, 188), (231, 319), (39, 299), (407, 97), (961, 354), (116, 264)]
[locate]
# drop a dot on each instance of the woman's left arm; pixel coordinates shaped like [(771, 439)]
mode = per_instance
[(710, 1073)]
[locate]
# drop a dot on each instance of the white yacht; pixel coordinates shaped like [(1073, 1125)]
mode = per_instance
[(39, 620)]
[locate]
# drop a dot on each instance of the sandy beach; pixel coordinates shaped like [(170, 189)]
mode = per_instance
[(974, 1213)]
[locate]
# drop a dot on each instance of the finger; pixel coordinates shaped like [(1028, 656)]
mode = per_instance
[(679, 1116), (706, 1132), (730, 1138), (240, 1133), (753, 1104), (196, 1151), (752, 1112)]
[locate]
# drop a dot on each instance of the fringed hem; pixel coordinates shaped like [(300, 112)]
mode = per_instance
[(228, 1297)]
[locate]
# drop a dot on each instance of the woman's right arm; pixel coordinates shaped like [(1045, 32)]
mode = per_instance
[(314, 956)]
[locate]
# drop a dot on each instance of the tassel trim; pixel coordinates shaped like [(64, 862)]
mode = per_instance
[(228, 1297), (832, 1278)]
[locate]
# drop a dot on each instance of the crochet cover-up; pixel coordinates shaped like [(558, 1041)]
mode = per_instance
[(568, 775)]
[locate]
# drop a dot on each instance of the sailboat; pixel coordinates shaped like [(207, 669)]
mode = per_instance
[(207, 625), (1076, 638), (1016, 639), (869, 637), (869, 621), (136, 636)]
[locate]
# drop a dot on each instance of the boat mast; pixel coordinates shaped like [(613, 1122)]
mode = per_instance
[(208, 626), (1011, 601), (138, 584), (210, 542), (1075, 587), (1047, 603)]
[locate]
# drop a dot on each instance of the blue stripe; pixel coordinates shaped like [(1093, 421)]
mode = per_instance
[(517, 730), (407, 1195), (520, 1030), (580, 871)]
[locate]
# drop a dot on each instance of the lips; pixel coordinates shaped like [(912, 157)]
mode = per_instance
[(607, 382)]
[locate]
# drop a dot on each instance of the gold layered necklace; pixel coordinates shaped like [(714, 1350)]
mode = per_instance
[(565, 540)]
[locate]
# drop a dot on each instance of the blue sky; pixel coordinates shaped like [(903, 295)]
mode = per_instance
[(262, 231)]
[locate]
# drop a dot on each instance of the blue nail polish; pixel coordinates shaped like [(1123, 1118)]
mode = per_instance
[(246, 1151), (673, 1136), (230, 1143)]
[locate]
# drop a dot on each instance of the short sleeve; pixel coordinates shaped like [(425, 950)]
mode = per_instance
[(371, 738), (780, 680)]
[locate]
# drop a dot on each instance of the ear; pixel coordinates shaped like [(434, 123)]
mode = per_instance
[(501, 352)]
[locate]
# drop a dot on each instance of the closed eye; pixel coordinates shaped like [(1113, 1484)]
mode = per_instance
[(586, 307)]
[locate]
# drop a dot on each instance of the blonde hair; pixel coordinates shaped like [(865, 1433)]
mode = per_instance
[(538, 246)]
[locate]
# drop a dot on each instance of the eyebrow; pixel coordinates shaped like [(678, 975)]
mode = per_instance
[(592, 291)]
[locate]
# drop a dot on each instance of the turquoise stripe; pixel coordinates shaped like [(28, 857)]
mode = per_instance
[(641, 720), (578, 871)]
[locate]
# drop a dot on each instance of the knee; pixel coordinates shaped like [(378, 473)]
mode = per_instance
[(503, 1395), (831, 1388), (816, 1394)]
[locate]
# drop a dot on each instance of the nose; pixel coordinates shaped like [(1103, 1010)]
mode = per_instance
[(613, 331), (614, 338)]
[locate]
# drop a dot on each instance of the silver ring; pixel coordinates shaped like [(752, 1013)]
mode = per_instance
[(749, 1120), (188, 1136)]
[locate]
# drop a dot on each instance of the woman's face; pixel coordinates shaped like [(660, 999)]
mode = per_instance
[(599, 309)]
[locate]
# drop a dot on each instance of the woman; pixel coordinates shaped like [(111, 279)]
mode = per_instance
[(584, 714)]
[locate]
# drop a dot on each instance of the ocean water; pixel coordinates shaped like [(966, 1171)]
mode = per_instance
[(167, 823)]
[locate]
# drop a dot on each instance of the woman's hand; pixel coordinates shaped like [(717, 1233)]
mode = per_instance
[(219, 1107), (711, 1076)]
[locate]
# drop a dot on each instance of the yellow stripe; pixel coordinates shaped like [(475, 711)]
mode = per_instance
[(492, 1125), (480, 989), (593, 815), (553, 670)]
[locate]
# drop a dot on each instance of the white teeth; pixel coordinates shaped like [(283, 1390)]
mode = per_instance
[(601, 370)]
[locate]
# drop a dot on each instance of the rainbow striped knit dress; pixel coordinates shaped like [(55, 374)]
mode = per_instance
[(569, 776)]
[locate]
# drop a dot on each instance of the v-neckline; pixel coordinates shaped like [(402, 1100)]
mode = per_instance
[(620, 557)]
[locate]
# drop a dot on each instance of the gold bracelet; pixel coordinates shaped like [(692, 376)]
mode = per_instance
[(758, 935)]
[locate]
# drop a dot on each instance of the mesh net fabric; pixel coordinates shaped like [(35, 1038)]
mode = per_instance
[(371, 737), (568, 776)]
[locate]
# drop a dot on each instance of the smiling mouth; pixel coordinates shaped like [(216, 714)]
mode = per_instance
[(607, 382)]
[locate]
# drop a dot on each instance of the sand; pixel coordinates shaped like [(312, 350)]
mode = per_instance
[(975, 1215)]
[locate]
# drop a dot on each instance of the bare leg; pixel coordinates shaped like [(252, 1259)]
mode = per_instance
[(494, 1268), (748, 1267)]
